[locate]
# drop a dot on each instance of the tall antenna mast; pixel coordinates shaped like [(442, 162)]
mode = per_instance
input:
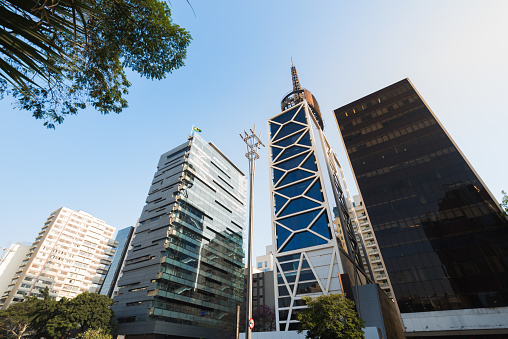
[(253, 145), (294, 75)]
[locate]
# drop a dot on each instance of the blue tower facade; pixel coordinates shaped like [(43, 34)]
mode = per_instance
[(313, 256)]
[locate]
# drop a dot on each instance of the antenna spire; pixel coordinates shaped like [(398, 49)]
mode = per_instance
[(294, 75)]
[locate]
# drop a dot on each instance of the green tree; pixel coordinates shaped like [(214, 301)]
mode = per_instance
[(264, 319), (86, 311), (48, 318), (94, 334), (58, 56), (15, 321), (92, 310), (44, 310), (330, 316), (504, 203)]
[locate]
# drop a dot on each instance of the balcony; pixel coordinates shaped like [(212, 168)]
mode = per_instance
[(94, 289), (105, 261), (384, 285), (109, 251), (374, 251), (375, 259), (102, 270), (112, 243), (370, 244), (378, 268), (381, 277), (98, 280), (368, 237)]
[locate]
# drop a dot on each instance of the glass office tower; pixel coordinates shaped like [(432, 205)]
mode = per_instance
[(123, 238), (305, 182), (183, 275), (441, 233)]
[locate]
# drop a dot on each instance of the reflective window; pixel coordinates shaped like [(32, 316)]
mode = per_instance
[(305, 140), (299, 221), (277, 174), (321, 226), (298, 204), (274, 128), (275, 152), (283, 315), (310, 164), (308, 287), (292, 163), (291, 276), (289, 257), (294, 176), (279, 202), (296, 189), (293, 150), (284, 302), (315, 192), (289, 141), (286, 116), (300, 117), (303, 239), (290, 266), (288, 129), (283, 290), (306, 275), (282, 235)]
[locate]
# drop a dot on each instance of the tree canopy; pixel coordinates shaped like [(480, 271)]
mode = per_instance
[(47, 318), (330, 316), (264, 319), (58, 56), (504, 203), (15, 321)]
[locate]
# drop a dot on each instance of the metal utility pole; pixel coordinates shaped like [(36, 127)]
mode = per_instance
[(253, 144)]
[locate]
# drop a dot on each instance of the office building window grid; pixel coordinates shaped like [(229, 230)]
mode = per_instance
[(439, 229)]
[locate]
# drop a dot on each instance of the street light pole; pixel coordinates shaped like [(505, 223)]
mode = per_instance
[(253, 144)]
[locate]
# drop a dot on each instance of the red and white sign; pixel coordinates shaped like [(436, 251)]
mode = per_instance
[(251, 323)]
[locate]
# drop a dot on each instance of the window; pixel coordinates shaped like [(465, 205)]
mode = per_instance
[(260, 264), (266, 263)]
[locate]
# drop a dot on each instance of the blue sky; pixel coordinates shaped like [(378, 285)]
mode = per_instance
[(236, 73)]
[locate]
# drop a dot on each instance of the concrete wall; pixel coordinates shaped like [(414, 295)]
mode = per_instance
[(378, 311), (276, 335), (468, 321), (370, 333)]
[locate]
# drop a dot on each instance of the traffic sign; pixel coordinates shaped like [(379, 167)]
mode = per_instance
[(251, 323)]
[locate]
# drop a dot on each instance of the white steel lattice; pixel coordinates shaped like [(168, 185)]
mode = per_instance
[(299, 213)]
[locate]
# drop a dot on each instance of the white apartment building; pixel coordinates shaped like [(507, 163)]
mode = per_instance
[(64, 257), (372, 248), (264, 263), (10, 261)]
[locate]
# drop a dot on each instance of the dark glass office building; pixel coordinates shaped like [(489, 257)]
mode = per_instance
[(442, 235)]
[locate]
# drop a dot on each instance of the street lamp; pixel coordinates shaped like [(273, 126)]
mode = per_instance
[(253, 144)]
